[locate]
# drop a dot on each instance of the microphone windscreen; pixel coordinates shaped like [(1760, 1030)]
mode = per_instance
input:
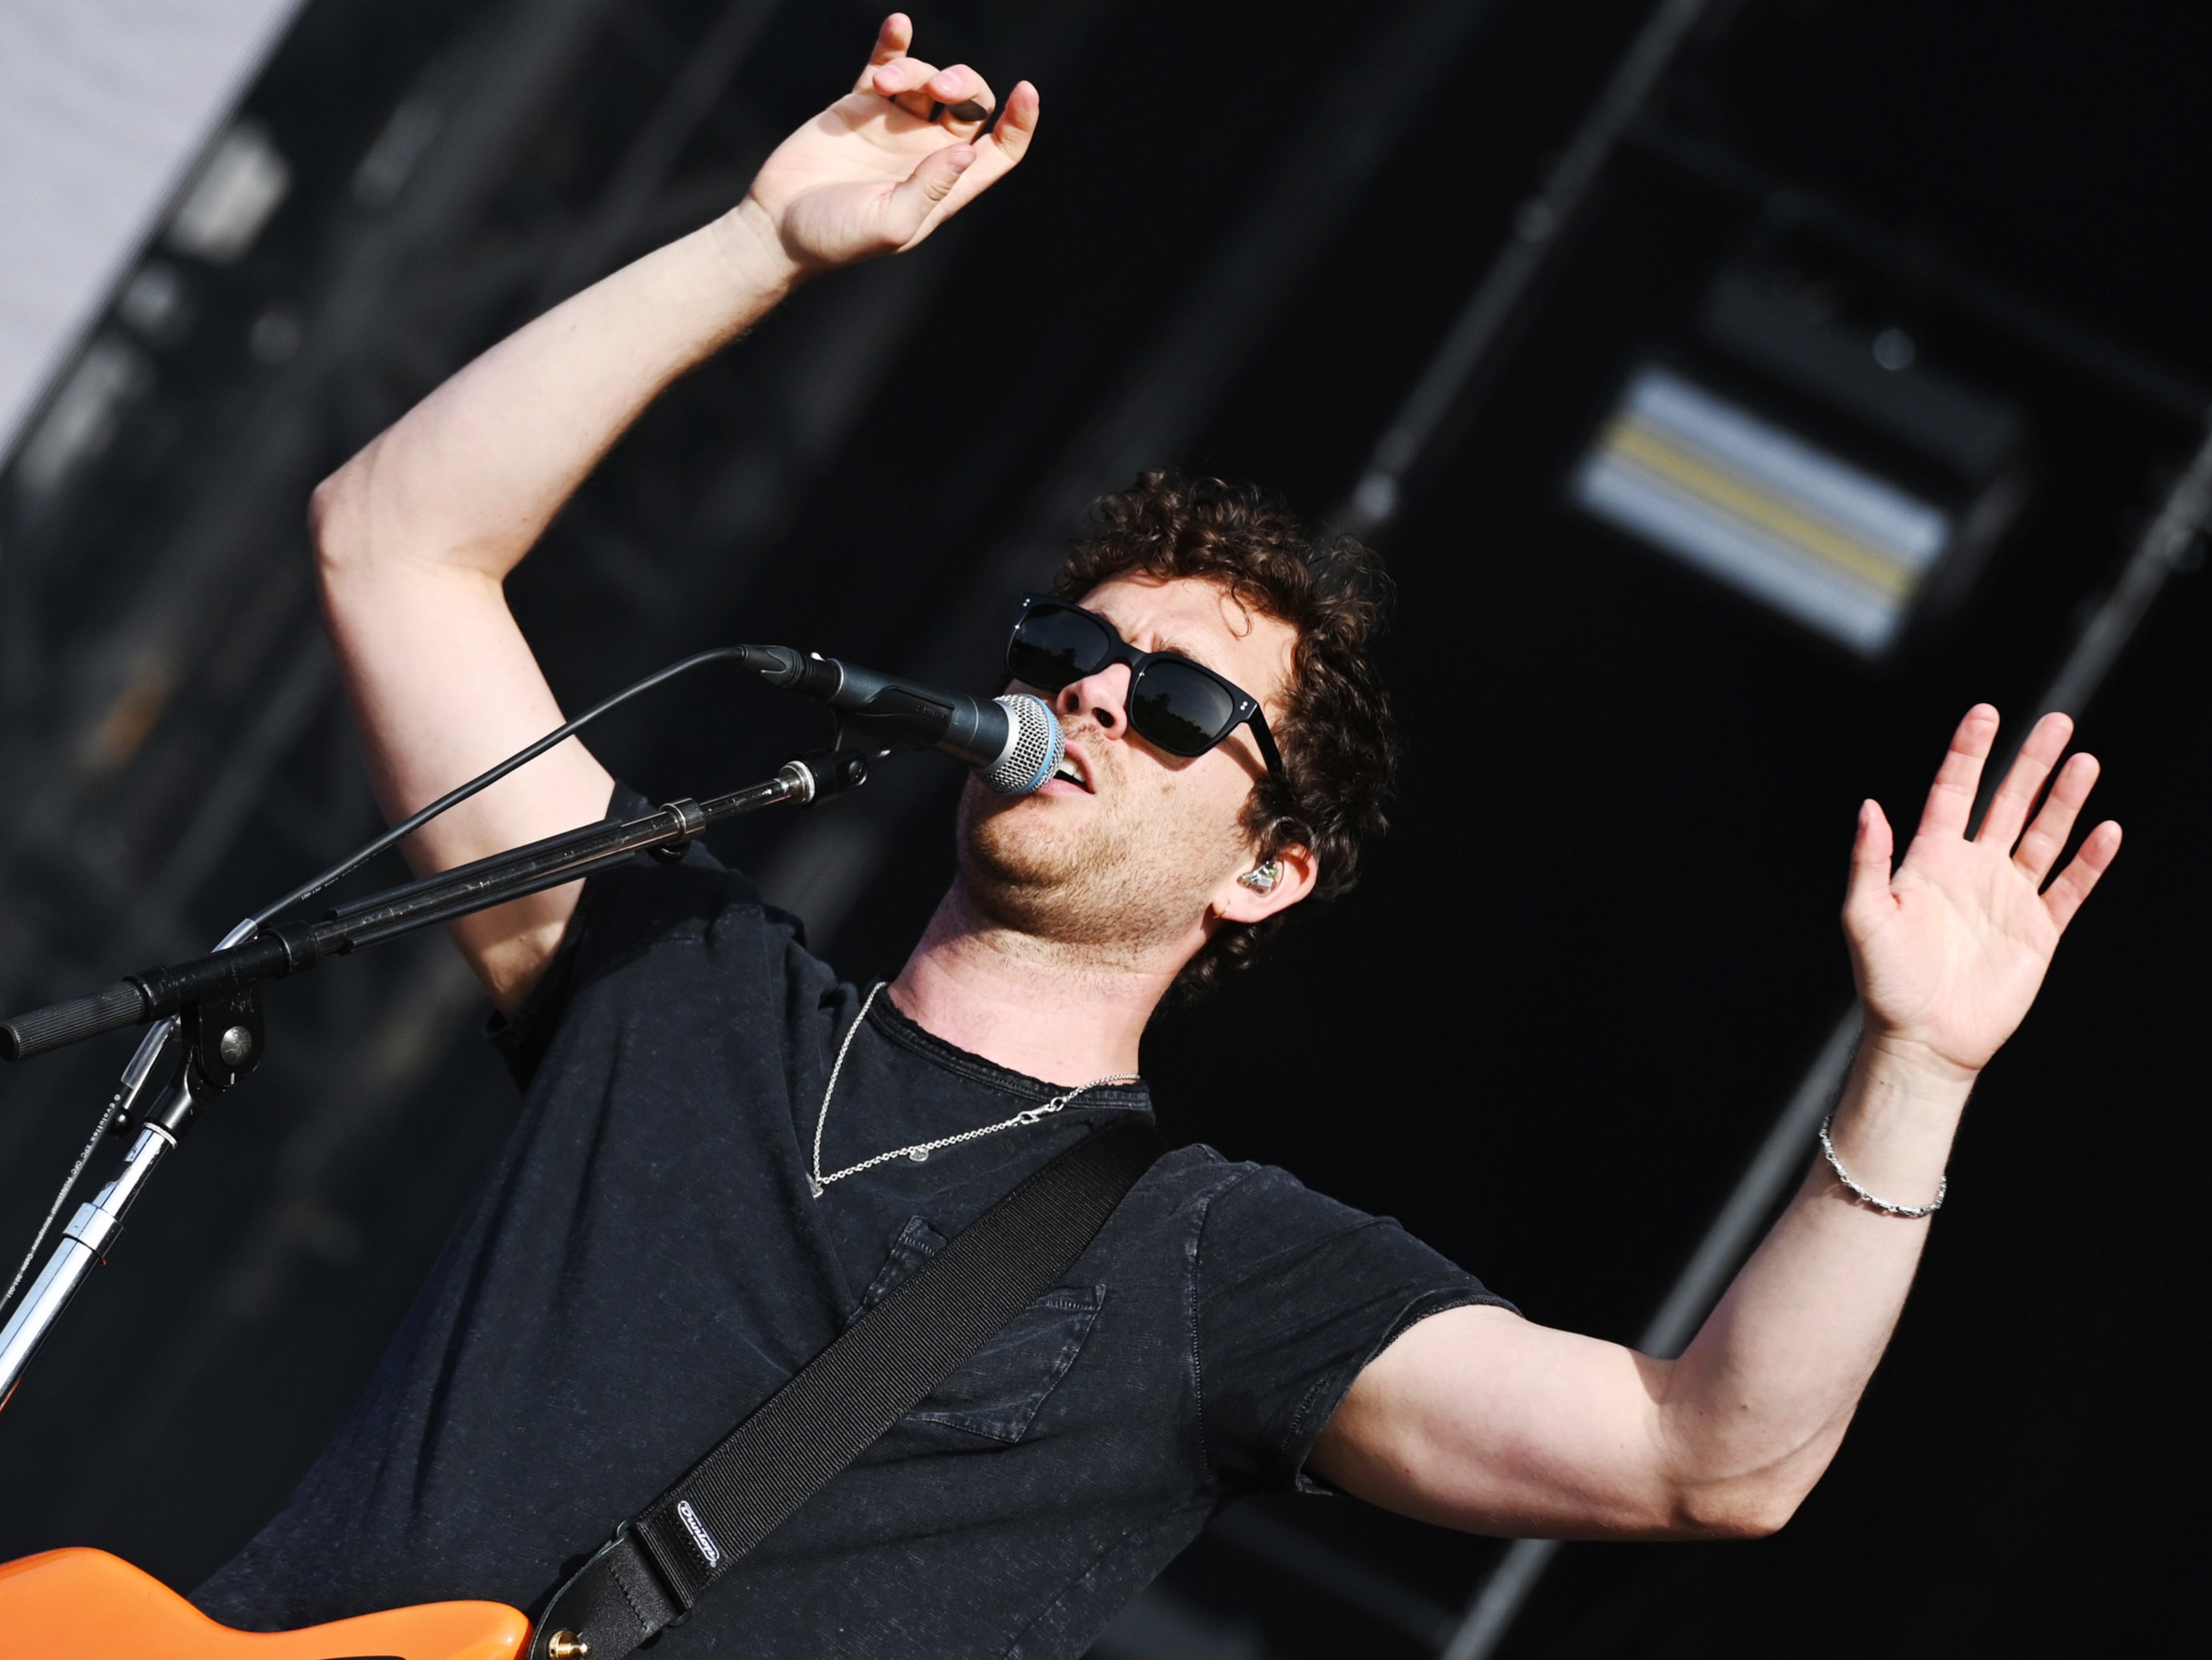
[(1033, 747)]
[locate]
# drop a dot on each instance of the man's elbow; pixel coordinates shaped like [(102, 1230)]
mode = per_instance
[(336, 516), (1747, 1507)]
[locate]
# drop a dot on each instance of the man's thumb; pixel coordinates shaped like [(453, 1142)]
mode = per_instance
[(1871, 847), (930, 183)]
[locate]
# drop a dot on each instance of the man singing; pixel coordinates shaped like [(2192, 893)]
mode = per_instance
[(726, 1153)]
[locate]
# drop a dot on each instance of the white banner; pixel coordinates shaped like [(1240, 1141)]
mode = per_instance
[(105, 106)]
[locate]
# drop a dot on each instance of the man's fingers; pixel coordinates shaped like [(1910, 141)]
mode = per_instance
[(2064, 897), (966, 95), (905, 82), (956, 98), (1872, 846), (909, 207), (957, 93), (1951, 798), (892, 40), (945, 180), (1010, 139), (2039, 848), (2008, 808)]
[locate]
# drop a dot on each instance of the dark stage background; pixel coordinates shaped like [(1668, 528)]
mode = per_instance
[(1597, 953)]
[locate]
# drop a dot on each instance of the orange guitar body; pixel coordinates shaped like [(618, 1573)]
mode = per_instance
[(87, 1605)]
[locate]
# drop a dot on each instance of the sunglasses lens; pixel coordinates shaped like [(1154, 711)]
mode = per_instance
[(1053, 646), (1181, 710)]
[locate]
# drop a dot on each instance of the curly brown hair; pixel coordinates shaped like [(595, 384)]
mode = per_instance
[(1338, 739)]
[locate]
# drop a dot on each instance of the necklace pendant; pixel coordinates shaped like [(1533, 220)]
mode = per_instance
[(814, 1187), (920, 1155)]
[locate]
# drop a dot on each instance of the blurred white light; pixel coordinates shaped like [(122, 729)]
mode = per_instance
[(1732, 494), (80, 419), (390, 163), (275, 337), (156, 302), (1377, 497), (237, 187)]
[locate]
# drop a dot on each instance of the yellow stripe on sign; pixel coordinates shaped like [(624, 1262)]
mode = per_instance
[(1726, 491)]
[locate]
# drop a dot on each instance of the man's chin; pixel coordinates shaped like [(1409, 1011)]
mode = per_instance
[(1013, 859), (1068, 876)]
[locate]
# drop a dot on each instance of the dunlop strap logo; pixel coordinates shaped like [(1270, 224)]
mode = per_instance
[(699, 1536)]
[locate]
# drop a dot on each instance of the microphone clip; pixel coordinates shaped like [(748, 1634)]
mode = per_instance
[(819, 774)]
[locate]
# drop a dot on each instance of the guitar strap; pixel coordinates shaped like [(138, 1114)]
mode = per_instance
[(660, 1562)]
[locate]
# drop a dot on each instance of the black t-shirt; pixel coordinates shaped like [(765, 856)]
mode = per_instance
[(645, 1262)]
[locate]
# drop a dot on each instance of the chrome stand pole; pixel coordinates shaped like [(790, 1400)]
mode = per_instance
[(86, 1241)]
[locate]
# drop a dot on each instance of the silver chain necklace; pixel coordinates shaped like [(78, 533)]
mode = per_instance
[(921, 1151)]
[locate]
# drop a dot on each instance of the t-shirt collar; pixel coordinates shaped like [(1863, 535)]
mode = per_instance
[(886, 1020)]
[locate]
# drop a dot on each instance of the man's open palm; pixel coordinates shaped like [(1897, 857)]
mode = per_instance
[(886, 164), (1950, 949)]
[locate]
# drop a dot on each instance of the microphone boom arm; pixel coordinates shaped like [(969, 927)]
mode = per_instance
[(281, 949), (211, 1035)]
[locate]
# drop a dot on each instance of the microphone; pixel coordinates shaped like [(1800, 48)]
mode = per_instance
[(1014, 743)]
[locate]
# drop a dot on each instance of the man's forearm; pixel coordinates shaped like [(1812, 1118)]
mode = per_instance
[(1756, 1407), (472, 476), (415, 535), (1484, 1420)]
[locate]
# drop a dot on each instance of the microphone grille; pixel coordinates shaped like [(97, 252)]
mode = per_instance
[(1033, 749)]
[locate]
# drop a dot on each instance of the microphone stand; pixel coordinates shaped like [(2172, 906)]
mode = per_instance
[(210, 1036)]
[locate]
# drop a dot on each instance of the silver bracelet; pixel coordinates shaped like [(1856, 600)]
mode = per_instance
[(1943, 1182)]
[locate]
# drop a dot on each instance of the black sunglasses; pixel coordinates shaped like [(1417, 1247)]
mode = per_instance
[(1182, 706)]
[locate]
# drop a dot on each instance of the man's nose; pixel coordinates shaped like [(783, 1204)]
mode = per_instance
[(1104, 697)]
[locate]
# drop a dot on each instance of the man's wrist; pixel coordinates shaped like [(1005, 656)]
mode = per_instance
[(1911, 1068), (1893, 1127), (752, 251)]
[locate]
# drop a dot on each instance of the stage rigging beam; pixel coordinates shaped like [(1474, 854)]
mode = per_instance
[(707, 69), (1540, 225), (1923, 265)]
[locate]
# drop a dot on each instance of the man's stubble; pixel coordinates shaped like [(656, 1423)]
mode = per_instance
[(1125, 877)]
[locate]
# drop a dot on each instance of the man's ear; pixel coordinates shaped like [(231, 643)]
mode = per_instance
[(1294, 869)]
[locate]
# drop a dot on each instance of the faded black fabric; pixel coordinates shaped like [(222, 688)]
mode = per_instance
[(644, 1264)]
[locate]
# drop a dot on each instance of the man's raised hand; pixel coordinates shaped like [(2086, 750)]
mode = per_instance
[(882, 167), (1950, 949)]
